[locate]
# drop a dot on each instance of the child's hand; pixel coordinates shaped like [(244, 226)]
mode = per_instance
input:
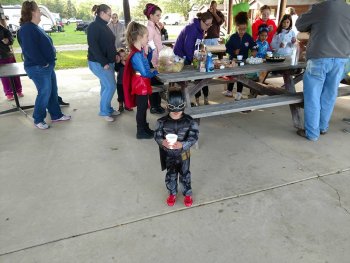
[(282, 45), (294, 40), (177, 145), (166, 144)]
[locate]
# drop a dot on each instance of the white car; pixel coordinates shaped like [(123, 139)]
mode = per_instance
[(73, 20), (172, 19)]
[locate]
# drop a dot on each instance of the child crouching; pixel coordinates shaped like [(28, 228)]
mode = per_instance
[(175, 156)]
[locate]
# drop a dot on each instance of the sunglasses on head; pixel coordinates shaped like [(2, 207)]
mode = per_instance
[(179, 107)]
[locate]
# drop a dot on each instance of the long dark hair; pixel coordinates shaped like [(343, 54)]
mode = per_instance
[(285, 17), (205, 16), (97, 9), (151, 9), (26, 12)]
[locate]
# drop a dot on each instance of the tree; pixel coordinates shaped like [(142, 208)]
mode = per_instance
[(137, 12), (182, 6), (70, 9)]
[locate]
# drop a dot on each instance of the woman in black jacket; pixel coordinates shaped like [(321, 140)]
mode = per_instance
[(101, 58)]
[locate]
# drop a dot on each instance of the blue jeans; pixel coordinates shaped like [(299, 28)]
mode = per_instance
[(45, 82), (321, 82), (211, 41), (108, 86)]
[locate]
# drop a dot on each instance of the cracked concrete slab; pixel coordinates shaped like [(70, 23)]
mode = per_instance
[(297, 223)]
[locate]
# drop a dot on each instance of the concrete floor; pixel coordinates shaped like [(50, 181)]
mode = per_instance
[(88, 191)]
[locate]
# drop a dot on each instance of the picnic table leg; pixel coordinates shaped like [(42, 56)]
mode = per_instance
[(187, 97), (295, 108)]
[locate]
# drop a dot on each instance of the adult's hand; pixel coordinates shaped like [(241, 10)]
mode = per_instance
[(106, 67)]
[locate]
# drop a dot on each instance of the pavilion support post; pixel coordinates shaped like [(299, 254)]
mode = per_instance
[(229, 16), (282, 4), (126, 8)]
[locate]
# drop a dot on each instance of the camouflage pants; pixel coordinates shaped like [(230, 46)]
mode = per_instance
[(181, 167)]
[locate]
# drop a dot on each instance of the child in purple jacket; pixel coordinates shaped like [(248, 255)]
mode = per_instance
[(191, 36)]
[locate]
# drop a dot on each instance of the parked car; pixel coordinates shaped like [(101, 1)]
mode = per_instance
[(73, 20), (82, 26), (172, 19)]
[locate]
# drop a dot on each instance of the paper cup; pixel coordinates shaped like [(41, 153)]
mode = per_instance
[(171, 139), (239, 57)]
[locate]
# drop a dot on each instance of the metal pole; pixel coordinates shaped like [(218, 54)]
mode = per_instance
[(126, 8)]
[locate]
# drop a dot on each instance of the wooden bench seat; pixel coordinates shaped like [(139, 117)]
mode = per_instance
[(243, 105)]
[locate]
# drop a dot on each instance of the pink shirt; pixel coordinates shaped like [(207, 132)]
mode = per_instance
[(155, 35)]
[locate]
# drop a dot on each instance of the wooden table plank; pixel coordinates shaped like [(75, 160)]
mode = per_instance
[(189, 74)]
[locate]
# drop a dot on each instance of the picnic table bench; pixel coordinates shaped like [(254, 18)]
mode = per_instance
[(277, 96)]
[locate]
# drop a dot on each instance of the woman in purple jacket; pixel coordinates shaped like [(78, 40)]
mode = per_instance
[(191, 36)]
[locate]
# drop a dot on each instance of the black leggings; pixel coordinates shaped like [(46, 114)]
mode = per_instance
[(141, 114), (205, 92), (239, 87), (155, 99), (120, 92)]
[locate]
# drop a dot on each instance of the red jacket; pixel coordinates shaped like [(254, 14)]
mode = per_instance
[(255, 29)]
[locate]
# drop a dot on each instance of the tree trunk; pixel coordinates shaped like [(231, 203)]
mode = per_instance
[(126, 8)]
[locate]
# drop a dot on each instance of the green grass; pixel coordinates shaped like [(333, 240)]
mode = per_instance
[(68, 37), (67, 59)]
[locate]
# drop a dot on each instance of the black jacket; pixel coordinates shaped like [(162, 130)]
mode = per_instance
[(5, 49), (186, 129), (101, 42)]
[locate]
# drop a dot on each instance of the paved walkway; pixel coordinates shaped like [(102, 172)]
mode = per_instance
[(88, 191), (62, 48)]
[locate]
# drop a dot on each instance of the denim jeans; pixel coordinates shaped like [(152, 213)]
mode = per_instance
[(45, 82), (321, 82), (108, 86), (211, 42)]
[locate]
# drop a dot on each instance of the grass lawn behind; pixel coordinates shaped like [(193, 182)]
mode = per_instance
[(67, 59), (69, 37)]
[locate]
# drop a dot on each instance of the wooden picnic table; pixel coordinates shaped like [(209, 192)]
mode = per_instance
[(285, 95)]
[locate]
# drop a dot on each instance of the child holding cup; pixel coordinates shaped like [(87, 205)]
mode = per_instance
[(175, 134)]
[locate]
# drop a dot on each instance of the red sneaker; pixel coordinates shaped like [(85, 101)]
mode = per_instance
[(20, 94), (188, 201), (171, 200)]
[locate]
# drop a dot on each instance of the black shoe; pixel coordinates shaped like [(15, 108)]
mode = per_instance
[(160, 110), (143, 135), (153, 110), (149, 130), (323, 132), (62, 103), (301, 133)]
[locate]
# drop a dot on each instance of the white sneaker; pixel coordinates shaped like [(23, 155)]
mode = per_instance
[(115, 113), (63, 118), (238, 96), (42, 125), (227, 93), (109, 118)]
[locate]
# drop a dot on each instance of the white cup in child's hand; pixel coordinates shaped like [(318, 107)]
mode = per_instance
[(239, 57), (171, 139)]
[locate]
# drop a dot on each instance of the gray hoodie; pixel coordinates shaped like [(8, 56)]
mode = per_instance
[(329, 26)]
